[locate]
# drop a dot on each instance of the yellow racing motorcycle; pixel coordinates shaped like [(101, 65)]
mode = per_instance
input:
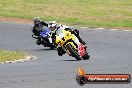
[(65, 39)]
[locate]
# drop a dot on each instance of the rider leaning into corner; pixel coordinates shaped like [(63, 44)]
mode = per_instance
[(37, 28), (54, 27)]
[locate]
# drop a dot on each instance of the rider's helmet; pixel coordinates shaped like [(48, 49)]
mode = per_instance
[(36, 20), (52, 25)]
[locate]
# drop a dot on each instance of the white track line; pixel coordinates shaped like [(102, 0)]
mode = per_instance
[(104, 28), (113, 29), (83, 27), (126, 30), (27, 58), (100, 28)]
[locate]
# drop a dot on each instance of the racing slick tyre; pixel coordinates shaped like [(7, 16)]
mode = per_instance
[(38, 42), (73, 52), (86, 56), (52, 46)]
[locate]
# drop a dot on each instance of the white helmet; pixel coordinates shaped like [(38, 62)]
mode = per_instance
[(52, 24)]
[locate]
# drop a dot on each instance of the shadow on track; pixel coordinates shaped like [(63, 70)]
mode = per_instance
[(69, 60), (44, 49)]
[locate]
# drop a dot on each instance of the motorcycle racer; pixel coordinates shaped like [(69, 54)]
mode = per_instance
[(54, 27), (37, 28)]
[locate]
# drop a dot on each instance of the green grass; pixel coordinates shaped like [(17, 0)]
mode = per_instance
[(91, 13), (10, 56)]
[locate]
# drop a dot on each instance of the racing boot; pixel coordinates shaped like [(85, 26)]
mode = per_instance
[(60, 51), (76, 33), (82, 41)]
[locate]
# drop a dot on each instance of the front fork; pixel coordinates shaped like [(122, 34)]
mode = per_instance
[(67, 51)]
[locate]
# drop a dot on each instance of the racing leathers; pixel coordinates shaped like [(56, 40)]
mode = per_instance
[(37, 28), (77, 40)]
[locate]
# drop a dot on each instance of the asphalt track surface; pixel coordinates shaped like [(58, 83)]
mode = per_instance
[(111, 52)]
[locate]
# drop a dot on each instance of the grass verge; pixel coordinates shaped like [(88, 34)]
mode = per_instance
[(91, 13), (10, 56)]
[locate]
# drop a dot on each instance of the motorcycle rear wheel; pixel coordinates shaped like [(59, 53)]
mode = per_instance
[(86, 56)]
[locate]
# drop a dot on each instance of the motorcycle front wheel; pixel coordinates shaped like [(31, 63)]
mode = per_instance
[(73, 52)]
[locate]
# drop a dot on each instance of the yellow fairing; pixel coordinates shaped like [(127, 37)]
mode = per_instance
[(64, 37), (71, 43)]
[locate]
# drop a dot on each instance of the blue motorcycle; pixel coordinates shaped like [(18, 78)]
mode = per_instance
[(45, 38)]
